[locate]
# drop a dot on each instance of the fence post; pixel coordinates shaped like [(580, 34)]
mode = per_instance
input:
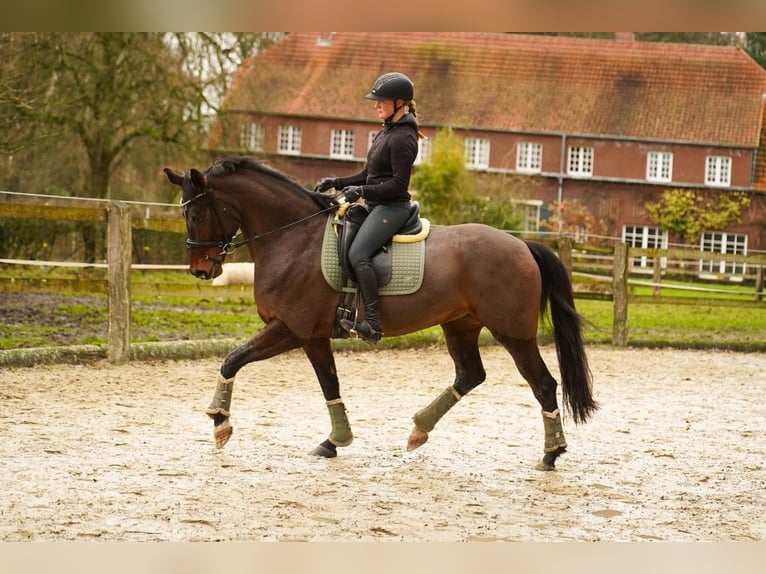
[(656, 276), (620, 296), (759, 283), (119, 254), (565, 254)]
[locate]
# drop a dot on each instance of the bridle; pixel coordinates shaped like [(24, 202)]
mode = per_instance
[(228, 246)]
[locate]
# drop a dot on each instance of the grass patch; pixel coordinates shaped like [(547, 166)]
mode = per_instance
[(679, 325), (678, 318)]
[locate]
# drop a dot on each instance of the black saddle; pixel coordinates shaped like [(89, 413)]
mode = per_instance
[(381, 260)]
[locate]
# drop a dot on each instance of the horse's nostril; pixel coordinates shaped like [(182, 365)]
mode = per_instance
[(200, 273)]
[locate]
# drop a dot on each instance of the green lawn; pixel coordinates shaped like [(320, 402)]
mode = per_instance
[(676, 320)]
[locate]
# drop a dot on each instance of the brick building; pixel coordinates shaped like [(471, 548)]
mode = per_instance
[(609, 123)]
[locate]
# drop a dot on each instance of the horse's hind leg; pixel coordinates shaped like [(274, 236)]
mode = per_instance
[(526, 355), (462, 337)]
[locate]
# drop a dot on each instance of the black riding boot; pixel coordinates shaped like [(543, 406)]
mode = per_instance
[(367, 281)]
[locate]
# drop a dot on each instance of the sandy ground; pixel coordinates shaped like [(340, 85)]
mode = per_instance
[(105, 452)]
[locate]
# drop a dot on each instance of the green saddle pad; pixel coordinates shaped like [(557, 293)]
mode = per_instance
[(407, 265)]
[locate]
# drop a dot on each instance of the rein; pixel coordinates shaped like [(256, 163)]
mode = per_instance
[(228, 247)]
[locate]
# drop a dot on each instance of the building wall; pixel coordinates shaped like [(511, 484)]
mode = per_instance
[(616, 193)]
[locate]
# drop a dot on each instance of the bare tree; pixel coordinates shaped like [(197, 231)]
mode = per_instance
[(78, 108), (111, 92)]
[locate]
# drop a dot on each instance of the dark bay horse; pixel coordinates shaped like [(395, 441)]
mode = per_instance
[(475, 277)]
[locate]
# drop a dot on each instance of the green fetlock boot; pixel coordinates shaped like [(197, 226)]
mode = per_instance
[(341, 434), (427, 418), (221, 403), (554, 432)]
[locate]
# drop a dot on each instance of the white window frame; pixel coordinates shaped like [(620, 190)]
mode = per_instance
[(424, 151), (371, 138), (727, 243), (476, 153), (342, 144), (532, 209), (718, 170), (251, 136), (646, 237), (289, 140), (659, 166), (580, 161), (529, 157)]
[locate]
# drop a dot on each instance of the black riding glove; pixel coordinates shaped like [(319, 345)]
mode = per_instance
[(326, 183), (352, 193)]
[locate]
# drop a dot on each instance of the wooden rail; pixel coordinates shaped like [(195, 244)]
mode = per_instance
[(120, 225), (615, 264)]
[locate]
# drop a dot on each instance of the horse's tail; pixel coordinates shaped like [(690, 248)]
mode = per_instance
[(576, 376)]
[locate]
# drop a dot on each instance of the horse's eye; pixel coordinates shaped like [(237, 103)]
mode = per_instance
[(198, 219)]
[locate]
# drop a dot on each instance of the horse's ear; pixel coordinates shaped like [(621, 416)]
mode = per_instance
[(198, 178), (174, 177)]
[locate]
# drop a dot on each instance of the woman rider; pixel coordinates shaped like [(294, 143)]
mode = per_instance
[(383, 184)]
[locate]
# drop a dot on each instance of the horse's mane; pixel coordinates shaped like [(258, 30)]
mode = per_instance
[(232, 165)]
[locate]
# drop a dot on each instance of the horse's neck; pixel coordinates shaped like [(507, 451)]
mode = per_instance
[(281, 216)]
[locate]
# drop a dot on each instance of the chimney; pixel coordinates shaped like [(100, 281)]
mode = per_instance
[(625, 36), (325, 38)]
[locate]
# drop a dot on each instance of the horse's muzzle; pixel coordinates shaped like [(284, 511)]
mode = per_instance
[(207, 269), (201, 274)]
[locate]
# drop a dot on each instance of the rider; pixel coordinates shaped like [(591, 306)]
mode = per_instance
[(383, 184)]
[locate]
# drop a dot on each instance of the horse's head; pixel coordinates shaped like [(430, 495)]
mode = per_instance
[(209, 234)]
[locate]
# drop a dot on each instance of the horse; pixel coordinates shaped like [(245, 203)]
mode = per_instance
[(475, 277)]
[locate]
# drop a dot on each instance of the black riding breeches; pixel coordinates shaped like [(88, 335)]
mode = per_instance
[(383, 222)]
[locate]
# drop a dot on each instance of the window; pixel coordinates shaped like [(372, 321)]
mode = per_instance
[(424, 151), (476, 153), (644, 237), (531, 214), (251, 136), (371, 137), (580, 161), (289, 140), (720, 242), (342, 143), (717, 170), (659, 166), (529, 157)]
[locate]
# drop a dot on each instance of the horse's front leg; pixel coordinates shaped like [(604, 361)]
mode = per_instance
[(319, 352), (273, 339)]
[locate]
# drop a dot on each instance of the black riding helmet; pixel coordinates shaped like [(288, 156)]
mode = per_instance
[(392, 86)]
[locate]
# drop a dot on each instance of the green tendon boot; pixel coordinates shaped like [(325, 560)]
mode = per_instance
[(341, 434), (426, 419), (219, 411), (555, 443)]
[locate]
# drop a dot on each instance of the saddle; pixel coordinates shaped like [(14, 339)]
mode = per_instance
[(414, 229)]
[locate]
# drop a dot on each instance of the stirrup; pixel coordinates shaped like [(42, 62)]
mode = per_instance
[(361, 331)]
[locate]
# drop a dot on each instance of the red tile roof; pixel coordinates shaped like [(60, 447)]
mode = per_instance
[(759, 179), (654, 91)]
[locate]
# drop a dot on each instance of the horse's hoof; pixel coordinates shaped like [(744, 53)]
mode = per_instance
[(544, 466), (222, 433), (549, 459), (417, 438), (325, 450)]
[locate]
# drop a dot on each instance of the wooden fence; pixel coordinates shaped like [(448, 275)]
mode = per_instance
[(611, 267)]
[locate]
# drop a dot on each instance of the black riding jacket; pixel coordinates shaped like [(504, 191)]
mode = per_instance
[(386, 176)]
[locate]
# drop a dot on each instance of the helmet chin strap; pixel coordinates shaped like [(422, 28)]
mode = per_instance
[(396, 109)]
